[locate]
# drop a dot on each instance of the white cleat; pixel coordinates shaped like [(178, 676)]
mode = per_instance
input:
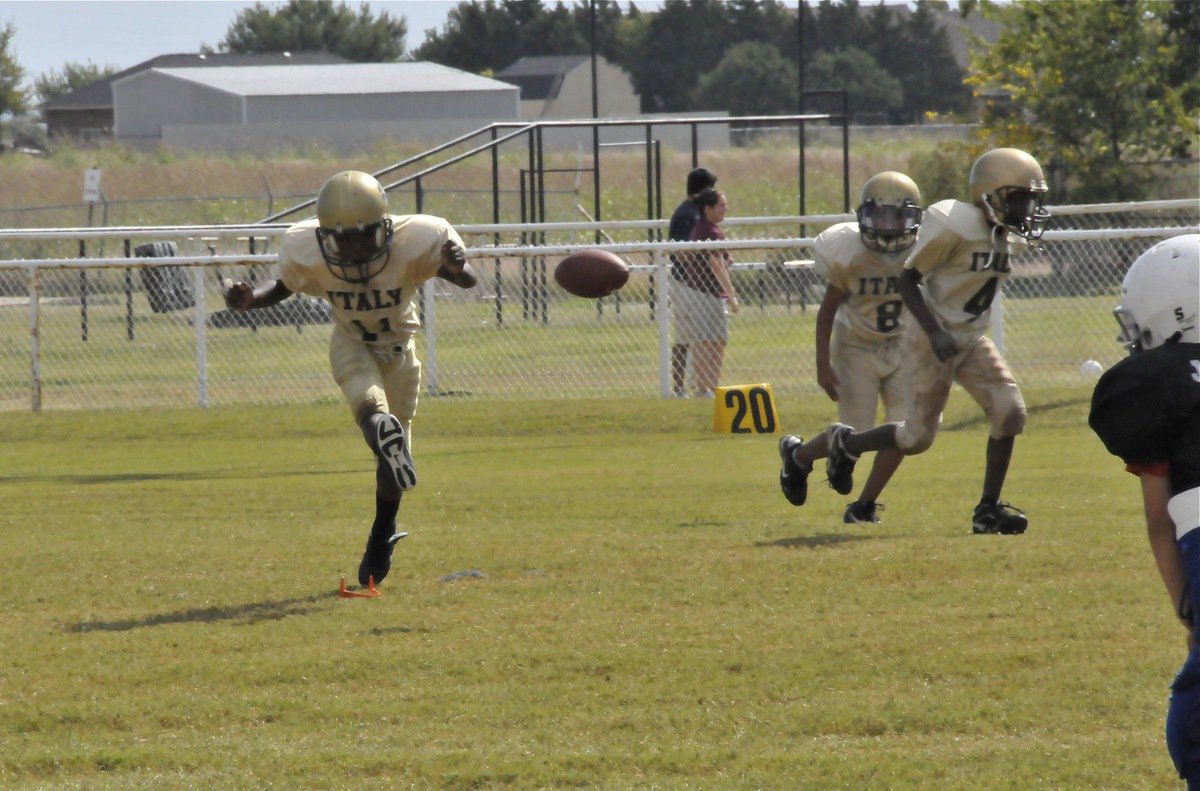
[(393, 449)]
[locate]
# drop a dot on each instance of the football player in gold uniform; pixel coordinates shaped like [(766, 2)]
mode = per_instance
[(859, 325), (951, 277), (369, 265)]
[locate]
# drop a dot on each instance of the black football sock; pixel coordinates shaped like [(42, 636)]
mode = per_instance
[(385, 514)]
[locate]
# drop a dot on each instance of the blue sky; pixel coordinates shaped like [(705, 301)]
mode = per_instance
[(123, 33)]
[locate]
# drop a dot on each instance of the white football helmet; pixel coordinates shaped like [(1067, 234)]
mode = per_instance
[(889, 212), (1160, 296), (354, 228), (1007, 183)]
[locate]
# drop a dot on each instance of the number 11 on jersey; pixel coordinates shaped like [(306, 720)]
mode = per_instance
[(385, 326)]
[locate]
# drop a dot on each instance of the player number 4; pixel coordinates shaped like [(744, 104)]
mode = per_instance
[(982, 300)]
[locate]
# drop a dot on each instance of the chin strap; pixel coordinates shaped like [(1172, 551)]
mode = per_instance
[(999, 243)]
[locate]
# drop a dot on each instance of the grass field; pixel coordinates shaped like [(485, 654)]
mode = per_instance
[(593, 595)]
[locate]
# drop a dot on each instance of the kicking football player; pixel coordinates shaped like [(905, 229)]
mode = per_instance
[(1146, 410), (369, 264), (858, 331), (949, 280)]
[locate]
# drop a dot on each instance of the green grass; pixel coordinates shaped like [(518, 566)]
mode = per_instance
[(651, 613)]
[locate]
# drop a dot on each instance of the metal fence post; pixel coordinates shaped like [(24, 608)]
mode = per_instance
[(661, 283), (128, 293), (35, 340), (200, 319), (429, 368)]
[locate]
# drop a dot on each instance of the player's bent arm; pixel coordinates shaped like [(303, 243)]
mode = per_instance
[(943, 343), (454, 267), (464, 278), (826, 378), (1156, 491), (910, 292), (243, 296)]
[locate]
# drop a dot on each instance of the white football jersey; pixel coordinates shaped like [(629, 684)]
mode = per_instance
[(873, 310), (382, 312), (961, 266)]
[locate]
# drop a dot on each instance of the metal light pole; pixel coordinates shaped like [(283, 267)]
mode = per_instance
[(595, 128), (595, 94)]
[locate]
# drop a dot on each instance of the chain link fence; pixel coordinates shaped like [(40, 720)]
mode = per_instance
[(134, 317)]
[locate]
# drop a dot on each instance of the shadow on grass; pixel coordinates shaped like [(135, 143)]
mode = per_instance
[(813, 542), (980, 419), (252, 612), (144, 477)]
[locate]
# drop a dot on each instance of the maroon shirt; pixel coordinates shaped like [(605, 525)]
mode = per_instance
[(696, 272)]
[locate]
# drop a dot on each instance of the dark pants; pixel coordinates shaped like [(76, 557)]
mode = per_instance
[(1183, 716)]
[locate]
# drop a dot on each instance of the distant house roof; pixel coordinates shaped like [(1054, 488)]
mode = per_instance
[(540, 77), (358, 78), (98, 95)]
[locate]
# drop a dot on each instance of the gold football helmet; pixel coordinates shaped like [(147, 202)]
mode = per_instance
[(889, 212), (354, 228), (1007, 183)]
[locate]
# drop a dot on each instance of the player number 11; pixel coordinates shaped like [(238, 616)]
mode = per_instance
[(385, 326)]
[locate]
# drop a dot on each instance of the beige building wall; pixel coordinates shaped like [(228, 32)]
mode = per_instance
[(617, 98)]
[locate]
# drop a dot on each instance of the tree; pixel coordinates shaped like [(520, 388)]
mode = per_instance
[(931, 75), (752, 79), (1183, 22), (869, 89), (682, 41), (12, 99), (1092, 90), (314, 25), (612, 28), (766, 22), (477, 37), (73, 76), (555, 32), (839, 25)]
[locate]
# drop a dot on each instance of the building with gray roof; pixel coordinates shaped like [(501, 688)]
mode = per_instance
[(344, 107), (87, 112), (560, 86)]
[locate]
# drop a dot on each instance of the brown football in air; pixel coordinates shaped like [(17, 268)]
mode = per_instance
[(591, 273)]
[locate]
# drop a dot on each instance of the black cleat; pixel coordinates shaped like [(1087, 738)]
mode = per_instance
[(1000, 518), (377, 559), (392, 447), (839, 466), (793, 479), (859, 512)]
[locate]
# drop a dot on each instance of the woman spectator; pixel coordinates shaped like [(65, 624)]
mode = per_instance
[(702, 294)]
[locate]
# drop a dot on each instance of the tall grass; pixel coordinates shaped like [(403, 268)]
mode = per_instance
[(165, 187)]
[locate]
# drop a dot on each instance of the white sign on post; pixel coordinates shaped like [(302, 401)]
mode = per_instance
[(91, 185)]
